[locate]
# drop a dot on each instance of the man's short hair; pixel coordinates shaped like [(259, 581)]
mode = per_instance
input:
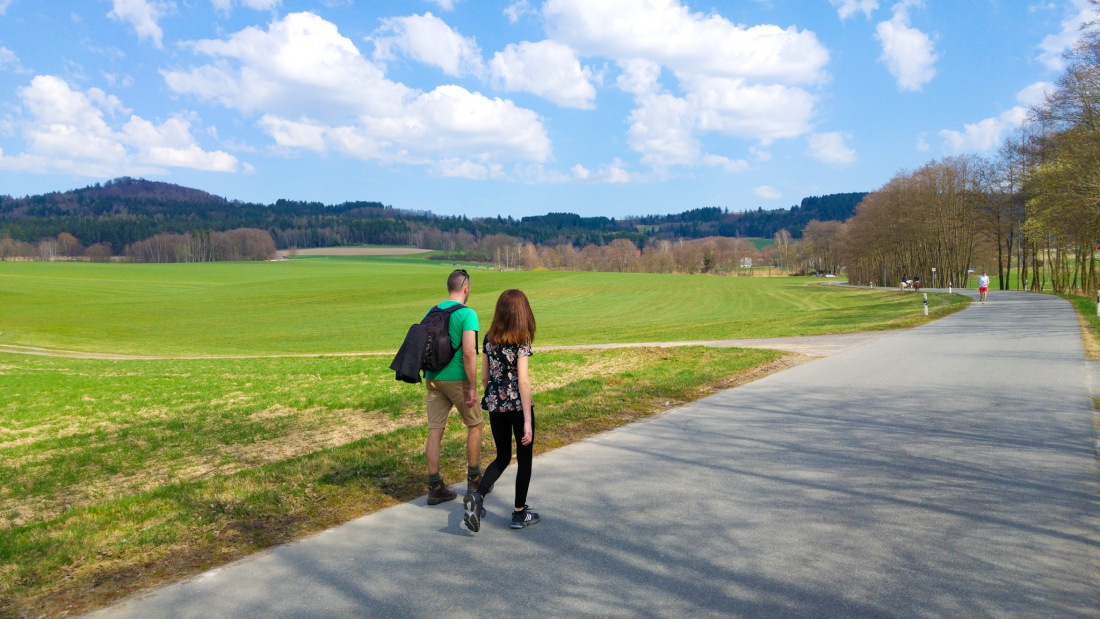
[(457, 280)]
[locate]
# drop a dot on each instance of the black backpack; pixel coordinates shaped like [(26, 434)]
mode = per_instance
[(427, 345)]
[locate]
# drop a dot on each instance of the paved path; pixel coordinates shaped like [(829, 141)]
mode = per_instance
[(944, 471)]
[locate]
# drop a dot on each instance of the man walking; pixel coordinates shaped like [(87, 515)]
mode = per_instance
[(455, 386)]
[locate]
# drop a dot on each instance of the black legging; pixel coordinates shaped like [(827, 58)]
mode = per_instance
[(504, 425)]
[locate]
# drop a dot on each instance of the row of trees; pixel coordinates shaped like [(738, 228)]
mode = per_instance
[(202, 246), (232, 245), (1031, 214), (819, 251), (65, 246)]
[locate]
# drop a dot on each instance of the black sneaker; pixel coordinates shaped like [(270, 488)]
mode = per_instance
[(524, 518), (472, 502)]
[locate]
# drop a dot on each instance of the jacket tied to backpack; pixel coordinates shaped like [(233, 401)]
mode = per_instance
[(427, 345)]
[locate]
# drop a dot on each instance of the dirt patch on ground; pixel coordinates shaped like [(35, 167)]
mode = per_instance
[(225, 460), (353, 251), (1088, 339)]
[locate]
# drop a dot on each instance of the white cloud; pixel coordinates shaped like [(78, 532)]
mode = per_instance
[(922, 143), (428, 39), (517, 10), (1035, 94), (1078, 12), (547, 69), (766, 192), (615, 173), (10, 62), (908, 53), (313, 90), (726, 164), (831, 148), (71, 131), (764, 112), (662, 129), (474, 170), (985, 135), (301, 67), (144, 16), (988, 134), (444, 5), (668, 33), (224, 6), (848, 8), (729, 79)]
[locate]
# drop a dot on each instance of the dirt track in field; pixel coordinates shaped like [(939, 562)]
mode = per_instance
[(812, 345), (354, 251)]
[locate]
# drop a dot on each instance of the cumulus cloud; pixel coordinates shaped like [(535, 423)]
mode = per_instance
[(548, 69), (10, 62), (81, 133), (144, 16), (313, 90), (831, 148), (517, 10), (1035, 94), (741, 82), (668, 33), (1079, 12), (986, 135), (725, 163), (428, 39), (909, 54), (848, 8), (444, 5), (225, 6), (766, 192)]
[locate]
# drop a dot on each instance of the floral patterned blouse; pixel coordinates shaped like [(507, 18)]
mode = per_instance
[(502, 390)]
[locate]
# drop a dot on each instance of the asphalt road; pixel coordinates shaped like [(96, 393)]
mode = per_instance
[(943, 471)]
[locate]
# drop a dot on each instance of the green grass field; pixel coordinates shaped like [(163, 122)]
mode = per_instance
[(121, 474), (330, 305)]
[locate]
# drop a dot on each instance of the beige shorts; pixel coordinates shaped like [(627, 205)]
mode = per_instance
[(442, 395)]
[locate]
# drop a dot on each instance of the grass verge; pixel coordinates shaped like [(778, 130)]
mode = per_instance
[(121, 475), (1090, 324)]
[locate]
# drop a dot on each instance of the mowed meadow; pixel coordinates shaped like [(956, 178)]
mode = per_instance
[(345, 305), (118, 474)]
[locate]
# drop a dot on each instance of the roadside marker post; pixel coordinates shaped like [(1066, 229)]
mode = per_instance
[(926, 304)]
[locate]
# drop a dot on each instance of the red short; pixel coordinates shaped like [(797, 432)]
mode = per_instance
[(986, 289)]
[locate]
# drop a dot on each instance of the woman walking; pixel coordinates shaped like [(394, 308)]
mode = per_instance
[(507, 390)]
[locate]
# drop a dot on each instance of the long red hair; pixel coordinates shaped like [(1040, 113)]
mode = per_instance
[(513, 321)]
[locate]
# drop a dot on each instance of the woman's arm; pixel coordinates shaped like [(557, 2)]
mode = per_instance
[(525, 398), (484, 372)]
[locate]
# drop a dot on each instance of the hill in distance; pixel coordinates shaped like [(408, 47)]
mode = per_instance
[(125, 210)]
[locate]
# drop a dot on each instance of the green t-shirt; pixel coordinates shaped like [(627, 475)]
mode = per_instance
[(464, 319)]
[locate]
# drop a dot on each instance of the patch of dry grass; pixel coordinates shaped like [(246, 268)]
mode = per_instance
[(109, 486)]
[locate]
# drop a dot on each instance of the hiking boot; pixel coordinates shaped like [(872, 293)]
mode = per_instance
[(524, 518), (472, 502), (440, 494), (471, 484)]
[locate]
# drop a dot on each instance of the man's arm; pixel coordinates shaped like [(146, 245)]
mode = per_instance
[(469, 362)]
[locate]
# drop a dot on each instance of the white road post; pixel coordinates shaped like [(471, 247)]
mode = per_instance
[(926, 304)]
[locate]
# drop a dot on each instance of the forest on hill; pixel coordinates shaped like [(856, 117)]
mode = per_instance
[(121, 212)]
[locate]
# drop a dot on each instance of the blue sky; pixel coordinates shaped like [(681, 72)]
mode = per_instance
[(517, 107)]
